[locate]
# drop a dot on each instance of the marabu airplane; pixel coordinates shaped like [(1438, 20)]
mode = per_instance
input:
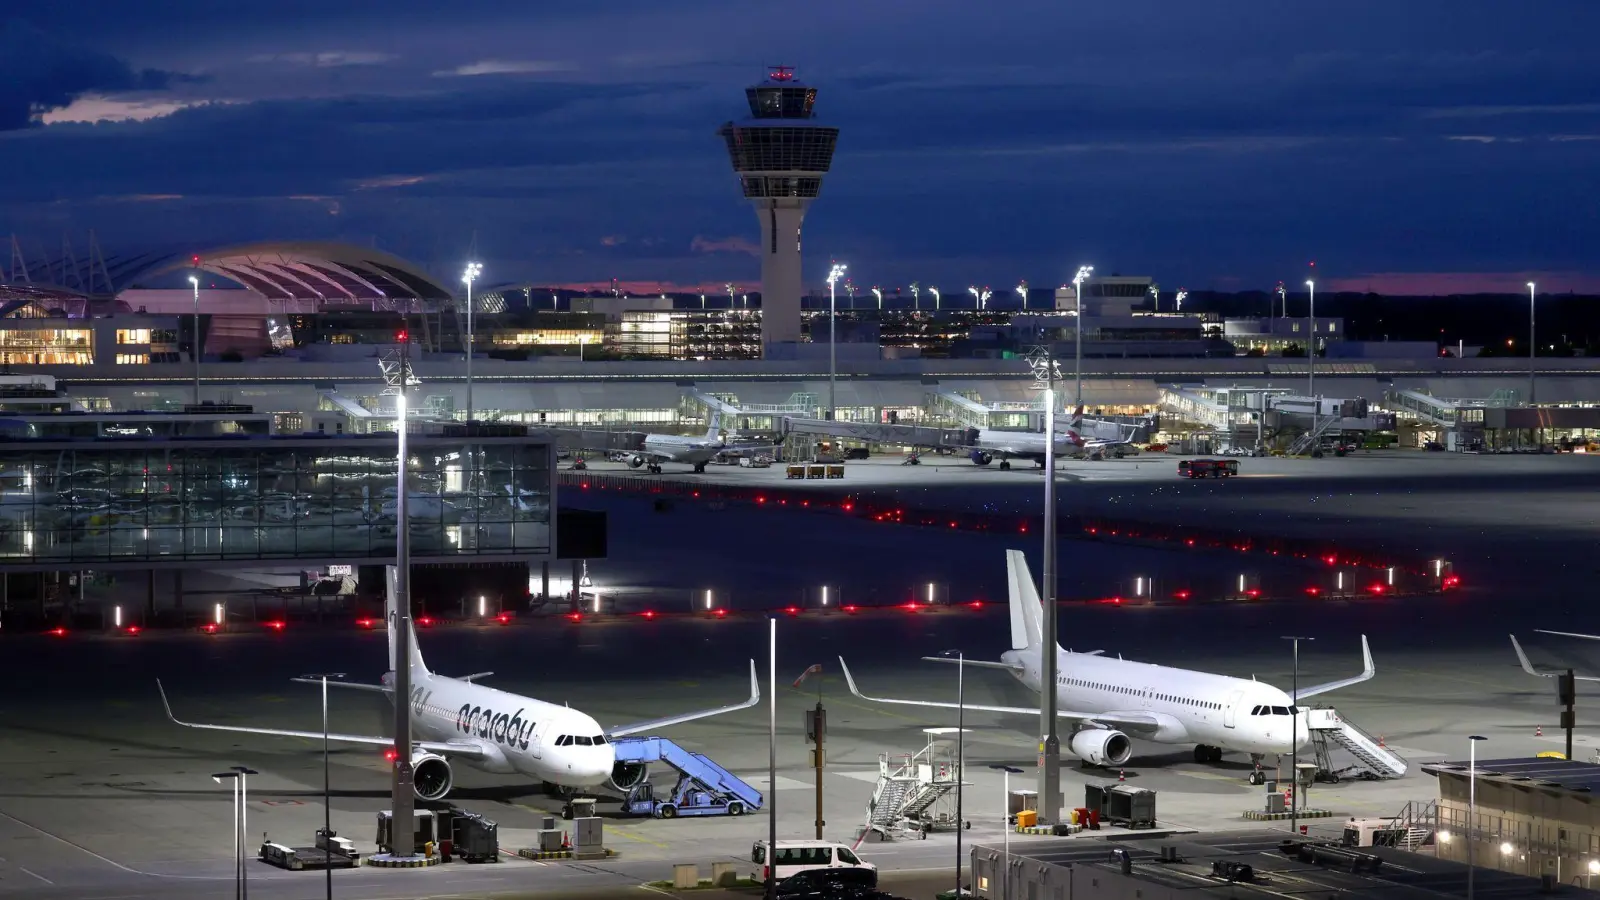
[(456, 720), (1107, 699)]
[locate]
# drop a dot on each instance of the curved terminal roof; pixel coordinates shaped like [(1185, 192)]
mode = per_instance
[(278, 270)]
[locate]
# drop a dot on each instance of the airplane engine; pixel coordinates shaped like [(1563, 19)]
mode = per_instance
[(625, 775), (431, 777), (1101, 747), (981, 457), (636, 462)]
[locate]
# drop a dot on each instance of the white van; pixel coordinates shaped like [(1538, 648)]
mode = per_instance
[(804, 856)]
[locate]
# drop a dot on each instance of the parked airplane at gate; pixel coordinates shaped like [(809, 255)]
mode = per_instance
[(1072, 442), (1106, 699), (457, 720)]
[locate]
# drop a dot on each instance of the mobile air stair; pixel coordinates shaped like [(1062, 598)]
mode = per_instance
[(1374, 761), (703, 789), (914, 793)]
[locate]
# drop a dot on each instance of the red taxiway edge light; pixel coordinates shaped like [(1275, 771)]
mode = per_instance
[(976, 604), (58, 631), (275, 625), (575, 616), (648, 614), (425, 621), (1181, 595), (131, 629), (503, 619), (1314, 590), (721, 613)]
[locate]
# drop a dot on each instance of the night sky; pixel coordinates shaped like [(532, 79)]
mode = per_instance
[(1408, 147)]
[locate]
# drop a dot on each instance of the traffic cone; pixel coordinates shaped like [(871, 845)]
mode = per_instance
[(1120, 776), (1538, 731), (1380, 741)]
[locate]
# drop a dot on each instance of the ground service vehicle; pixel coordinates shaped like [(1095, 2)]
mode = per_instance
[(795, 857), (1208, 468)]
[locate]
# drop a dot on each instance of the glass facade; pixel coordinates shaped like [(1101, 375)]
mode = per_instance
[(46, 346), (780, 148), (87, 504)]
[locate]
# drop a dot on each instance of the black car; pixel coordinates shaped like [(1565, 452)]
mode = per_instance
[(832, 884)]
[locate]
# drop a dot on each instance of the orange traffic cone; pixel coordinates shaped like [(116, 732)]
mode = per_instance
[(1538, 731), (1120, 776), (1380, 740)]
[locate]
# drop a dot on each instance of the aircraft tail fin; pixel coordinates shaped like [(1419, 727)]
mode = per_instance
[(1027, 611), (391, 615), (713, 432)]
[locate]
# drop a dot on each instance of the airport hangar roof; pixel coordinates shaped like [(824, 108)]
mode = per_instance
[(278, 270)]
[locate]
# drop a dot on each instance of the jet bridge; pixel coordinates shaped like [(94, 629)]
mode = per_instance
[(909, 435)]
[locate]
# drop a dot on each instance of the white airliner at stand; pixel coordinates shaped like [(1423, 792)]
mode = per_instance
[(678, 448), (1106, 700), (457, 720)]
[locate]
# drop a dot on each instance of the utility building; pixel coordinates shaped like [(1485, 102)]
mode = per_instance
[(780, 155)]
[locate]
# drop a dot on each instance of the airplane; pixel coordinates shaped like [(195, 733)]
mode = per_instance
[(1527, 666), (1106, 700), (459, 721), (695, 451), (1007, 445)]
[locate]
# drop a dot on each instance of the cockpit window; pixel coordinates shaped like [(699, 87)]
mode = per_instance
[(564, 740), (1280, 710), (582, 741), (599, 740), (1256, 711)]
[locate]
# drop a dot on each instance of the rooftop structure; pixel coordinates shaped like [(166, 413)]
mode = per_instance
[(780, 155)]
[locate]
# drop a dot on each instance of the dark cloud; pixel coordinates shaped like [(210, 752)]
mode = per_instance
[(39, 73)]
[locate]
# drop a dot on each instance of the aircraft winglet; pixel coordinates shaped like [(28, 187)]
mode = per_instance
[(1527, 665), (1368, 669)]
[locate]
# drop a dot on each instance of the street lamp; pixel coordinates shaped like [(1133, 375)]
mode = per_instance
[(1472, 803), (1311, 366), (834, 274), (729, 288), (327, 807), (1294, 735), (1181, 294), (1532, 344), (469, 276), (879, 294), (961, 749), (1022, 291), (1046, 372), (935, 292), (1077, 293), (194, 282), (916, 290), (1155, 294), (239, 776), (1005, 818), (1272, 314)]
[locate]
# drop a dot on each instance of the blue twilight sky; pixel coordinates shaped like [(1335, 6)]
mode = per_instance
[(1407, 146)]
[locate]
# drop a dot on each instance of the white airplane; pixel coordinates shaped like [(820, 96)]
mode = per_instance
[(1527, 666), (457, 720), (1108, 699), (1008, 445), (678, 448)]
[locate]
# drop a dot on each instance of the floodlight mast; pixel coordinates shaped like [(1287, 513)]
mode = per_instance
[(1046, 372)]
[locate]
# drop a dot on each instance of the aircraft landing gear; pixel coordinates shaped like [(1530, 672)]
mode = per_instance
[(700, 468), (1005, 465), (1205, 753), (1257, 776), (655, 469)]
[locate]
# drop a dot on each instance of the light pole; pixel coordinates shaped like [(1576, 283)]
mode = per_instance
[(1311, 365), (1046, 371), (879, 294), (194, 282), (1022, 291), (916, 290), (935, 292), (834, 274), (238, 861), (327, 803), (1078, 281), (1005, 818), (772, 759), (1472, 802), (402, 799), (1181, 295), (961, 751), (729, 288), (1155, 294), (1272, 314), (1533, 344), (469, 276), (1294, 735)]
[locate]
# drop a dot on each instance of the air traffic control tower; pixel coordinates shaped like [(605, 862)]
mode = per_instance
[(780, 155)]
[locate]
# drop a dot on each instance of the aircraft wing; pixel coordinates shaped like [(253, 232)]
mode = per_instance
[(1528, 666), (1571, 634), (653, 724), (1367, 671), (977, 663), (333, 683), (458, 749), (1132, 720)]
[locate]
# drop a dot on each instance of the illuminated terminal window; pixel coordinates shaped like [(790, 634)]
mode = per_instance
[(548, 336), (133, 335), (47, 347), (132, 359)]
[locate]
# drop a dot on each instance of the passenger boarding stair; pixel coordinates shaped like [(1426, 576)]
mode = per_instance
[(703, 788), (1373, 759), (913, 793), (1308, 441)]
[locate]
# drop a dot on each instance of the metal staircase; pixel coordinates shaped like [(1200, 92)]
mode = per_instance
[(913, 792), (1373, 759), (1308, 440)]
